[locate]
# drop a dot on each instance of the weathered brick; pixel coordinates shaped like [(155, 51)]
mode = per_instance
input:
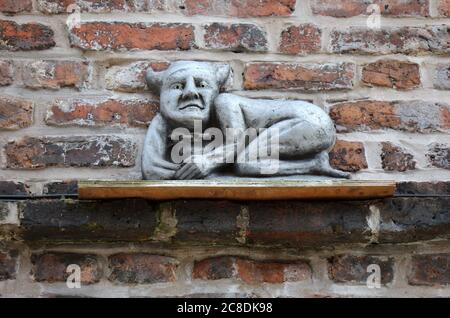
[(95, 6), (441, 78), (109, 112), (78, 151), (128, 36), (8, 213), (251, 271), (140, 268), (52, 267), (411, 116), (235, 37), (6, 73), (61, 187), (25, 37), (207, 221), (413, 219), (307, 224), (423, 188), (393, 158), (15, 6), (391, 73), (240, 8), (348, 156), (353, 268), (405, 40), (395, 8), (15, 112), (430, 270), (438, 155), (307, 77), (55, 74), (302, 39), (444, 8), (13, 188), (131, 77), (8, 265), (87, 221)]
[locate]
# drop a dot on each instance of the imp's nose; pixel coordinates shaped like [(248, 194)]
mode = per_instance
[(190, 90)]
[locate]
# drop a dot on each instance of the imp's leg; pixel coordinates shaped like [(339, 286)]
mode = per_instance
[(289, 147)]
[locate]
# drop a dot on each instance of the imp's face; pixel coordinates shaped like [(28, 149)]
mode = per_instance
[(187, 95)]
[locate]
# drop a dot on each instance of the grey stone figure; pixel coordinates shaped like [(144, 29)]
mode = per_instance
[(190, 92)]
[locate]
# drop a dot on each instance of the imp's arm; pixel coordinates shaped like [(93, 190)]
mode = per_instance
[(154, 163)]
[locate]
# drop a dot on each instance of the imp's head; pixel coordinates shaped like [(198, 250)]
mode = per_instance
[(187, 90)]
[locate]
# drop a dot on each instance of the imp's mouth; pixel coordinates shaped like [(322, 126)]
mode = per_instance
[(188, 105)]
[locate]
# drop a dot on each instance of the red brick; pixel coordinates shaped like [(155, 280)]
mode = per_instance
[(81, 151), (142, 268), (110, 112), (15, 6), (52, 267), (430, 270), (87, 221), (302, 224), (353, 268), (8, 265), (6, 73), (346, 8), (421, 188), (348, 156), (251, 271), (444, 8), (128, 36), (95, 6), (55, 74), (412, 116), (61, 187), (25, 37), (209, 221), (131, 77), (240, 8), (235, 37), (414, 219), (441, 78), (438, 155), (302, 39), (405, 40), (391, 73), (15, 112), (307, 77), (393, 158)]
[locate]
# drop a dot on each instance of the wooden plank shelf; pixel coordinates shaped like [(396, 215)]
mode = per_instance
[(236, 190)]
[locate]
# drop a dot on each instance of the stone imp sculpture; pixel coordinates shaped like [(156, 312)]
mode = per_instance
[(300, 133)]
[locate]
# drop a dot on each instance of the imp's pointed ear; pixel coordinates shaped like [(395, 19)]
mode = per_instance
[(154, 79), (222, 73)]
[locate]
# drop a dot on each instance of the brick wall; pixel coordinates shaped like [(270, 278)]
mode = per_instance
[(74, 104)]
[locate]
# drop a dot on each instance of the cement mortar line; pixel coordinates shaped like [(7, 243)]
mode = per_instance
[(167, 17), (134, 55), (330, 97), (134, 173), (198, 252), (40, 128)]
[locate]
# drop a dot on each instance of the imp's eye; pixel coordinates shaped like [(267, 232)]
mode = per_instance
[(203, 84), (177, 86)]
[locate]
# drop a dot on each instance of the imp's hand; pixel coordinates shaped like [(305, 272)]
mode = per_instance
[(194, 167)]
